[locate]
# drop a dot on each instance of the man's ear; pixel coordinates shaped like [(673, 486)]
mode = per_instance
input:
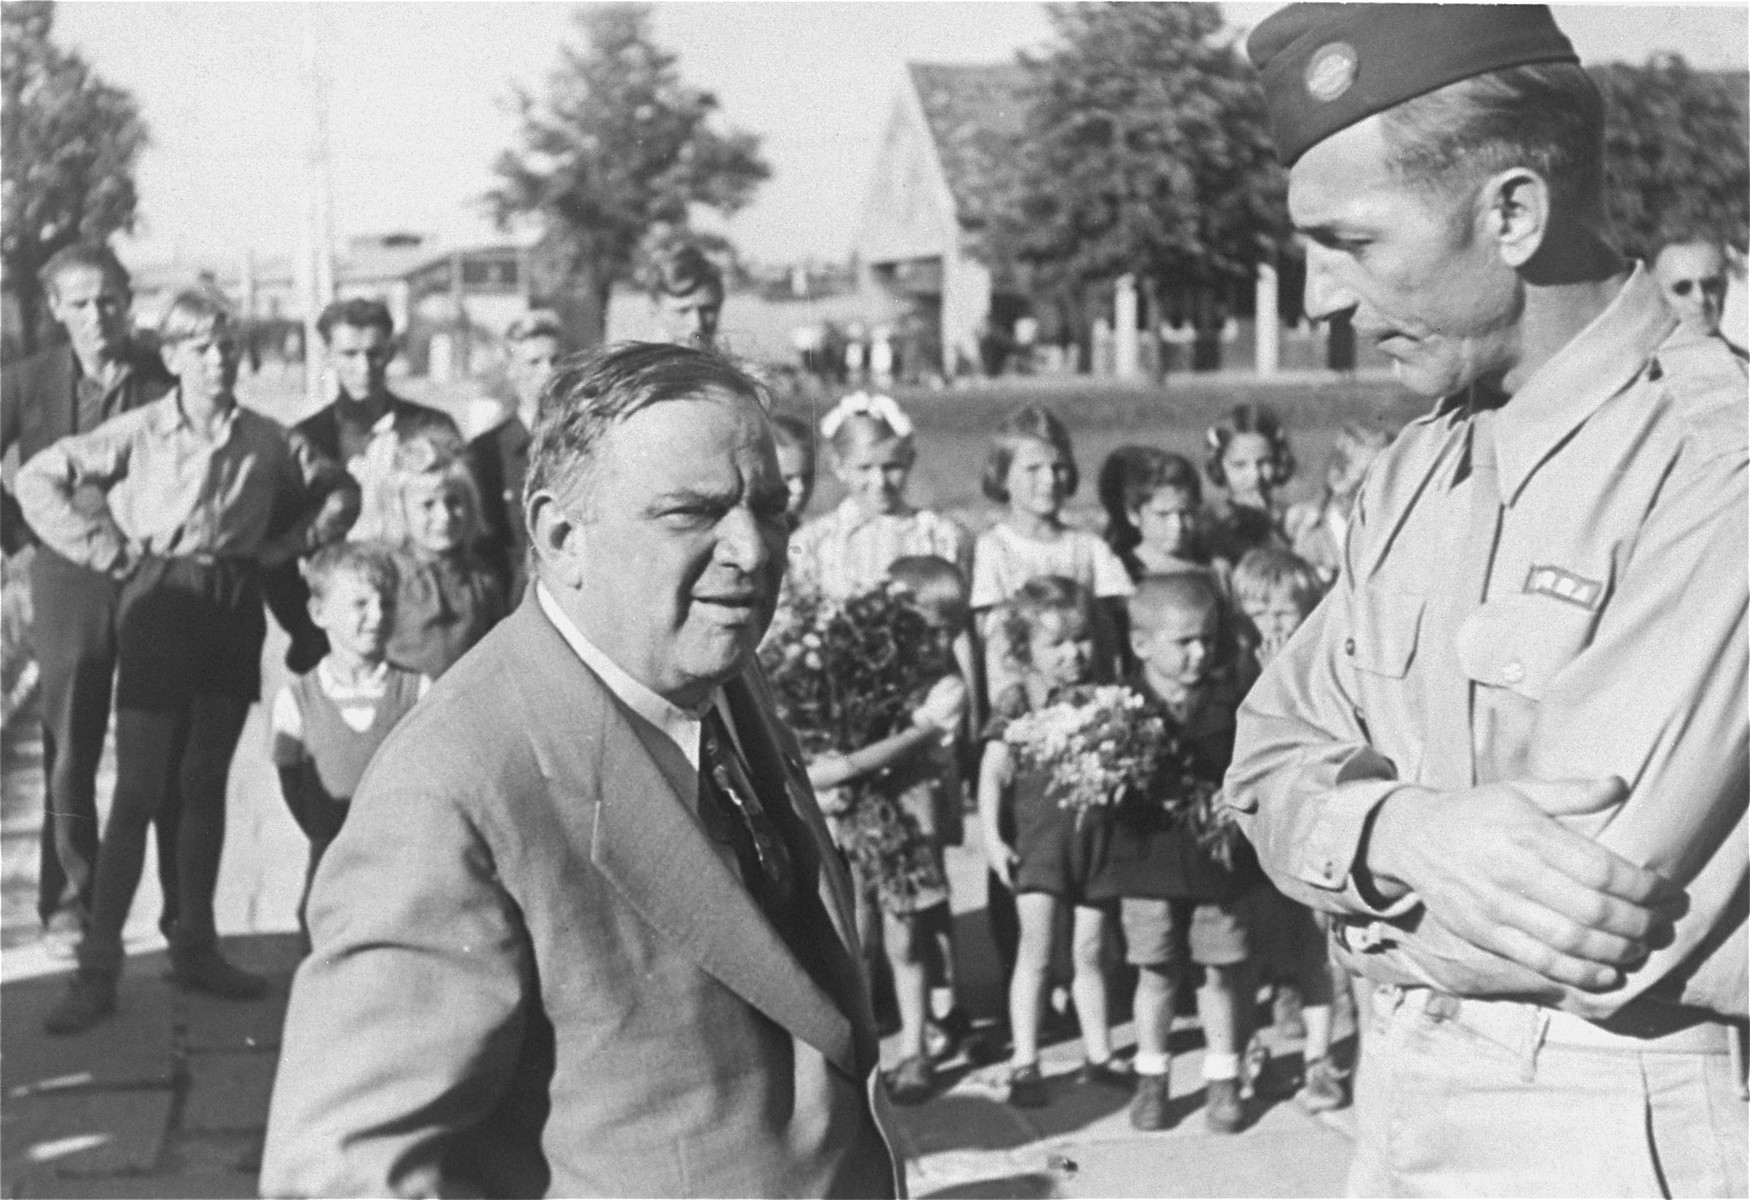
[(558, 538), (1517, 207)]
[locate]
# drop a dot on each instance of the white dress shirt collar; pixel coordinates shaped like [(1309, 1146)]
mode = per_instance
[(677, 724)]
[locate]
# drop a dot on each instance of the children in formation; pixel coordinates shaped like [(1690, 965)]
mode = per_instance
[(1049, 600), (1049, 857), (1276, 591), (327, 723)]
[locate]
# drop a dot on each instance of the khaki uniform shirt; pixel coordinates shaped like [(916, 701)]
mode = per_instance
[(1563, 598)]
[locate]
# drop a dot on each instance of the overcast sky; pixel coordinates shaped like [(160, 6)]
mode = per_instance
[(418, 88)]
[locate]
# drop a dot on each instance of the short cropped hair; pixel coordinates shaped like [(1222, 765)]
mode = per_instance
[(933, 581), (1033, 423), (358, 312), (94, 256), (685, 270), (590, 393), (1270, 571), (193, 312), (1250, 418), (1038, 598), (536, 323), (368, 561), (1548, 117), (1181, 591)]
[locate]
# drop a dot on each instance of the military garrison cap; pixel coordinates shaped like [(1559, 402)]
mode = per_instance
[(1327, 66)]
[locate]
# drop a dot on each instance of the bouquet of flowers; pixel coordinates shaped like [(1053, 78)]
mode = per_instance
[(1099, 744), (845, 675)]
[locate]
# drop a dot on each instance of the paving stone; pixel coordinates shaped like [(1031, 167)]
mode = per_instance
[(228, 1091), (1310, 1161), (134, 1046), (85, 1133), (210, 1023)]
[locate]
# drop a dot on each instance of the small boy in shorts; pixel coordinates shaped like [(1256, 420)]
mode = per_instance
[(1183, 909), (327, 723)]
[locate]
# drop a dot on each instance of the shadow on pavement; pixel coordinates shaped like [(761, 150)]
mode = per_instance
[(166, 1098), (1031, 1186)]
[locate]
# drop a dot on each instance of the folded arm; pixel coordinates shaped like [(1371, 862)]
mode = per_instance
[(60, 492), (323, 496)]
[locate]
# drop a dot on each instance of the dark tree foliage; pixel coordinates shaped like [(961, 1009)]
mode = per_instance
[(68, 143), (1147, 151), (1677, 153), (616, 153)]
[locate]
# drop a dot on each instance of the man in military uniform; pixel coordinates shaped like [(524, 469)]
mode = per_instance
[(1509, 751)]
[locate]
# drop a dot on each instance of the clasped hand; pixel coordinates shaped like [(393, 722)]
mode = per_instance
[(1495, 867)]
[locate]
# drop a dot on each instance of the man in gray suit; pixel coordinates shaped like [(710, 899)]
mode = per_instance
[(583, 932)]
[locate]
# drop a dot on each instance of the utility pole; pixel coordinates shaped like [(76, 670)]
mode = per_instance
[(316, 248)]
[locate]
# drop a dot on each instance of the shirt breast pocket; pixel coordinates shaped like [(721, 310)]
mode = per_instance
[(1522, 641), (1387, 627)]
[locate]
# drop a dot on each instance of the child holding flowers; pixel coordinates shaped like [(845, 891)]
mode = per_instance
[(871, 689), (1181, 873), (1044, 833)]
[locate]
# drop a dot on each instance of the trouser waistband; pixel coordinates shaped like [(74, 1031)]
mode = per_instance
[(1514, 1023)]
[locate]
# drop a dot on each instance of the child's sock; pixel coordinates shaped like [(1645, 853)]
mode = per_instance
[(1221, 1066), (1151, 1064)]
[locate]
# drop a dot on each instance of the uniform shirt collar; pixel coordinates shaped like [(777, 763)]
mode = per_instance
[(1559, 397), (675, 723)]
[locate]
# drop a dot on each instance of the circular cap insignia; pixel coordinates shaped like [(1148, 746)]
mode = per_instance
[(1330, 71)]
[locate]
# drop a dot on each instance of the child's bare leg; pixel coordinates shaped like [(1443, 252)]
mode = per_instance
[(1154, 1018), (1318, 1030), (1218, 1008), (911, 986), (1089, 984), (1038, 914)]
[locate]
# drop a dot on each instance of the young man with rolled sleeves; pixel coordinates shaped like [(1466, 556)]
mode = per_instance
[(1509, 752), (71, 389), (189, 485)]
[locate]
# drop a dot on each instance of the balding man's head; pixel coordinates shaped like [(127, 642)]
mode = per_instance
[(1692, 274)]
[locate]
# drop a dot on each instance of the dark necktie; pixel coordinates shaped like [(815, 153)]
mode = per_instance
[(731, 810)]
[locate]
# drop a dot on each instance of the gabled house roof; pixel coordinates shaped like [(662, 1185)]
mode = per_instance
[(976, 115)]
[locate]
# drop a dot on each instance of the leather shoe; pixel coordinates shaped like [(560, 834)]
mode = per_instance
[(1323, 1090), (1027, 1087), (1148, 1112), (207, 971), (87, 1001), (910, 1082), (1224, 1113)]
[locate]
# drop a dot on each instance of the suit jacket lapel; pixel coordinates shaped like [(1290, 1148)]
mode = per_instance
[(647, 843)]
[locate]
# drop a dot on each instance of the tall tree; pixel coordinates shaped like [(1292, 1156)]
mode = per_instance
[(1147, 151), (617, 153), (1677, 151), (68, 143)]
